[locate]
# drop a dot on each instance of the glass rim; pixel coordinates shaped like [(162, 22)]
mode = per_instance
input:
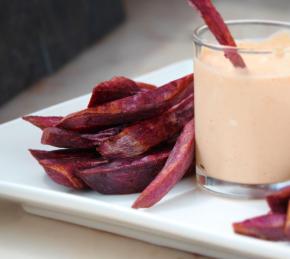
[(216, 46)]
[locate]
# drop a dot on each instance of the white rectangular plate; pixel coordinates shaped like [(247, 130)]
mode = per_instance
[(186, 218)]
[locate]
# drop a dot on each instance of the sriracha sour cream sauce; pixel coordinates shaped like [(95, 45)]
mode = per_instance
[(242, 116)]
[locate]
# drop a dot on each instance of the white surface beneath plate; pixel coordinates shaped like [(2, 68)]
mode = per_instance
[(186, 218)]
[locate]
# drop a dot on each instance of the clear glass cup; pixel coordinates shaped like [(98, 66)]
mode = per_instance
[(242, 116)]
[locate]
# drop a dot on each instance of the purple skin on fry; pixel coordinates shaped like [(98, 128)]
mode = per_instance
[(70, 139), (125, 176), (219, 29), (140, 106), (177, 164), (61, 165), (141, 136), (278, 201), (43, 122), (64, 154), (63, 177), (114, 89), (287, 225), (65, 138), (269, 227), (145, 86), (64, 171), (103, 135)]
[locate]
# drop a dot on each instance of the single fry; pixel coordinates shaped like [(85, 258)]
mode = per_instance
[(177, 164), (278, 201), (61, 165), (43, 122), (63, 138), (114, 89), (269, 227), (64, 172), (145, 87), (219, 29), (64, 154), (287, 225)]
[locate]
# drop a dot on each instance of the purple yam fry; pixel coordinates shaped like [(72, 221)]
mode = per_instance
[(63, 170), (43, 122), (141, 136), (191, 170), (278, 201), (269, 227), (140, 106), (219, 29), (103, 135), (177, 164), (64, 154), (114, 89), (287, 225), (145, 86), (61, 165), (126, 175), (65, 138), (62, 174)]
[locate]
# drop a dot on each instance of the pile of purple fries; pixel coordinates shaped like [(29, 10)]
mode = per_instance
[(133, 137)]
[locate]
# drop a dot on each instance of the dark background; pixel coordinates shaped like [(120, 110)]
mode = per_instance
[(39, 36), (154, 33)]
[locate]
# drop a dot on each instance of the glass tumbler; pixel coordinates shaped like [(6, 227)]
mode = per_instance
[(242, 115)]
